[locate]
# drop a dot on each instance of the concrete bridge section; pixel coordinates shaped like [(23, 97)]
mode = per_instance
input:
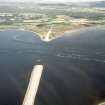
[(47, 38), (31, 92)]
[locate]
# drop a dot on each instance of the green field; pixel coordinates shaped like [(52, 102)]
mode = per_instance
[(39, 19)]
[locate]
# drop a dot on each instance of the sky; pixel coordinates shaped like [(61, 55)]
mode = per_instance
[(74, 0), (57, 0)]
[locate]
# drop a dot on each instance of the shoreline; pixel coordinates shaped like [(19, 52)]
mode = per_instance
[(58, 36)]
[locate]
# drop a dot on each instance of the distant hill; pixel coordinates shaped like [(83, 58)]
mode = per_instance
[(76, 4), (71, 4), (98, 4), (88, 4)]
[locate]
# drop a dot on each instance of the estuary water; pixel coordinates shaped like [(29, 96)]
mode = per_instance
[(74, 67)]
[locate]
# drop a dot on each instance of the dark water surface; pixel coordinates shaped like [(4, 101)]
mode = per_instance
[(74, 67)]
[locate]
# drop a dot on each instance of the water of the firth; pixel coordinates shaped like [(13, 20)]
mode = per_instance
[(74, 67)]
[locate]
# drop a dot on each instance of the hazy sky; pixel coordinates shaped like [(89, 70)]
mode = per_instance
[(57, 0), (74, 0)]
